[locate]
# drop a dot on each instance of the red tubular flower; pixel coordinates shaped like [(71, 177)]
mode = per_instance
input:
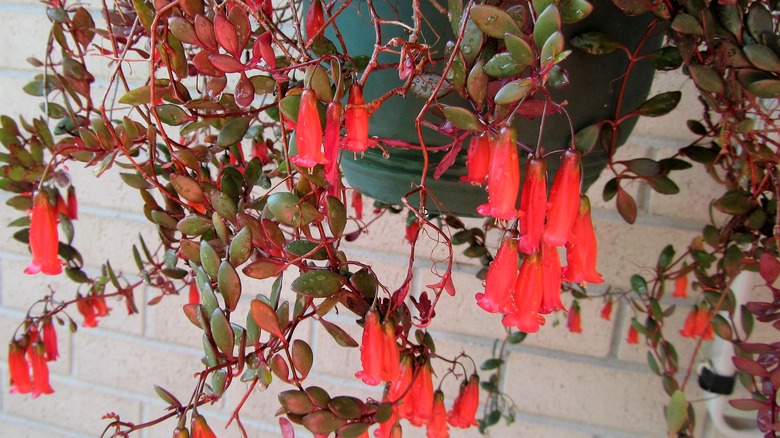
[(357, 204), (18, 369), (551, 280), (315, 19), (503, 177), (420, 411), (702, 326), (399, 386), (528, 296), (200, 428), (385, 429), (308, 133), (574, 322), (356, 121), (633, 335), (371, 350), (50, 340), (40, 370), (332, 131), (606, 311), (533, 205), (194, 294), (437, 427), (689, 327), (564, 199), (478, 160), (501, 278), (464, 409), (87, 310), (582, 249), (44, 239), (681, 287), (391, 357), (73, 204), (60, 207)]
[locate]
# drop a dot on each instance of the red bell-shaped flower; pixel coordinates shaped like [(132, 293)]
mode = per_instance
[(564, 199), (332, 132), (581, 248), (503, 177), (40, 370), (437, 427), (73, 204), (464, 409), (478, 160), (574, 321), (606, 311), (18, 369), (200, 428), (356, 121), (50, 340), (399, 387), (418, 404), (371, 350), (315, 19), (528, 296), (501, 278), (551, 280), (391, 357), (681, 286), (308, 132), (533, 205), (633, 335), (44, 239)]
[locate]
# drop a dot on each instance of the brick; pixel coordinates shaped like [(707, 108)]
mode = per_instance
[(166, 322), (74, 407), (134, 366), (96, 238), (20, 291), (23, 428), (20, 24), (9, 323), (333, 359), (107, 191), (215, 420)]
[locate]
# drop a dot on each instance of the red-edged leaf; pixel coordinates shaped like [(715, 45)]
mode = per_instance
[(226, 35), (266, 318), (240, 21), (262, 49), (768, 267), (747, 404), (749, 366), (205, 31), (244, 92), (226, 63), (533, 108), (202, 63), (626, 206), (447, 161)]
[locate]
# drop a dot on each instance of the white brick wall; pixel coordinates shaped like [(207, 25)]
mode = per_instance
[(589, 385)]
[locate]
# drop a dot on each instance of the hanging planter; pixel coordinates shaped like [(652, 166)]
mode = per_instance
[(592, 96)]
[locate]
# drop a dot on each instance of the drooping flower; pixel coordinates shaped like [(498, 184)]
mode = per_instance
[(73, 204), (399, 387), (50, 340), (371, 350), (437, 427), (681, 286), (564, 199), (633, 335), (574, 322), (87, 310), (464, 409), (391, 357), (315, 19), (551, 280), (44, 239), (533, 205), (357, 204), (606, 311), (503, 177), (200, 428), (581, 248), (332, 131), (478, 160), (40, 370), (501, 278), (420, 411), (689, 327), (356, 121), (18, 369), (385, 429), (528, 296), (308, 132), (702, 326)]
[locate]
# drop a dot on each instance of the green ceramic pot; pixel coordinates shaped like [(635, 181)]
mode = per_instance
[(591, 96)]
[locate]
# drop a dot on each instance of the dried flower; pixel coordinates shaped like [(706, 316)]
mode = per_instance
[(501, 278), (581, 248), (308, 132), (371, 350), (503, 177), (464, 409), (437, 427), (73, 204), (564, 199), (44, 240), (478, 160)]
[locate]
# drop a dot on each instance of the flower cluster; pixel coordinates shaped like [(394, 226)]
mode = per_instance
[(29, 354)]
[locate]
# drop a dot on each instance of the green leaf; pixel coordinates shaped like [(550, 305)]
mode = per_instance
[(338, 334), (337, 216), (573, 11), (233, 132), (666, 58), (318, 283), (194, 225), (135, 180), (322, 422), (666, 257), (209, 259), (551, 50), (240, 247), (521, 51), (595, 43), (188, 188), (734, 202), (643, 166), (639, 284), (172, 115), (502, 65), (295, 401), (706, 78), (493, 21), (548, 22), (676, 412), (462, 118), (586, 138), (222, 332), (766, 88), (491, 364), (513, 91), (721, 327), (229, 285), (687, 24), (659, 105), (663, 184), (302, 247)]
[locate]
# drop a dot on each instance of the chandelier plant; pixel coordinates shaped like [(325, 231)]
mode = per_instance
[(234, 142)]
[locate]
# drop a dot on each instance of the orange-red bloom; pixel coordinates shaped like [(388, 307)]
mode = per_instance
[(44, 239), (533, 205), (574, 322), (501, 278), (385, 430), (391, 357), (332, 132), (40, 370), (73, 204), (564, 199), (437, 427), (633, 335), (464, 409), (357, 204), (18, 369), (194, 294), (50, 340), (681, 286), (371, 350), (528, 296), (315, 19), (697, 324), (418, 404), (606, 311), (551, 280), (581, 248), (200, 428), (478, 160), (398, 387), (503, 177), (356, 121), (308, 132)]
